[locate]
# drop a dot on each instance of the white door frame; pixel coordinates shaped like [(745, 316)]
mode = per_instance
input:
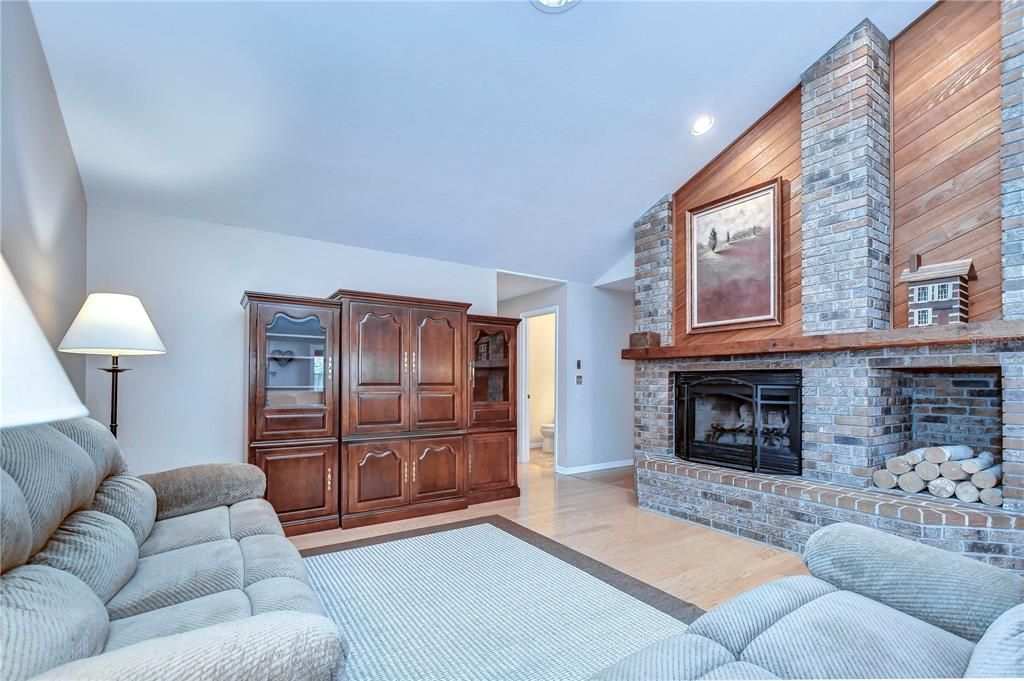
[(523, 381)]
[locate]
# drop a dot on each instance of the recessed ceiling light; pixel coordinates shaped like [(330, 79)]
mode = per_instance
[(554, 6), (702, 125)]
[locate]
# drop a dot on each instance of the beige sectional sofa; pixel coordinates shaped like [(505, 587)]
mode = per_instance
[(181, 574), (875, 606)]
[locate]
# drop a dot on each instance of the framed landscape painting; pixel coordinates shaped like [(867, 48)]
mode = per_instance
[(732, 256)]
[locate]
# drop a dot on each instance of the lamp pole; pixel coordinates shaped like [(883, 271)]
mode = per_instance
[(113, 370)]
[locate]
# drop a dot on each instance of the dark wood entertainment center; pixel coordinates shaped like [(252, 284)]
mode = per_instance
[(365, 407)]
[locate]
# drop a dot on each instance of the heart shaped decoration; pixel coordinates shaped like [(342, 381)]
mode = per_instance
[(282, 357)]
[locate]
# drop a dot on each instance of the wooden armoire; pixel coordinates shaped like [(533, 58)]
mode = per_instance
[(366, 407)]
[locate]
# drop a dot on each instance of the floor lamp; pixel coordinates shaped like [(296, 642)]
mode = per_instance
[(112, 324)]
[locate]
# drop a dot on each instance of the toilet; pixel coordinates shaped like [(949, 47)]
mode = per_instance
[(547, 431)]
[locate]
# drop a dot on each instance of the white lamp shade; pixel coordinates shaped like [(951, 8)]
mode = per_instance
[(112, 324), (33, 385)]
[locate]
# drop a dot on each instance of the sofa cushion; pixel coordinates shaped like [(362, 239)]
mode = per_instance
[(15, 525), (177, 576), (130, 500), (181, 491), (254, 516), (1000, 652), (736, 671), (740, 620), (800, 628), (49, 617), (843, 635), (223, 606), (97, 548), (54, 474), (268, 555), (97, 441), (679, 658), (187, 530), (282, 593), (273, 647), (906, 575)]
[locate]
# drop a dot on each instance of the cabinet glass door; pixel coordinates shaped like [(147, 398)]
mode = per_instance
[(490, 367), (296, 351)]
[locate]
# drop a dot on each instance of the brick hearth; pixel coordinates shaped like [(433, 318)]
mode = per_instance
[(784, 511)]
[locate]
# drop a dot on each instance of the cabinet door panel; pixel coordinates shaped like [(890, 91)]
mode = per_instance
[(378, 366), (436, 369), (293, 358), (492, 461), (377, 475), (301, 479), (435, 408), (492, 380), (438, 468)]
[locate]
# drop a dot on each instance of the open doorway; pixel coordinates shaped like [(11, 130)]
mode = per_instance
[(538, 398)]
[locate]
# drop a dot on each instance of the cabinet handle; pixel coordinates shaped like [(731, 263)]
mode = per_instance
[(330, 368), (406, 361), (414, 471), (470, 463), (413, 362), (328, 479), (405, 472)]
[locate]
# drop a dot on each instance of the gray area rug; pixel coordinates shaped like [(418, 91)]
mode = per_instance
[(485, 599)]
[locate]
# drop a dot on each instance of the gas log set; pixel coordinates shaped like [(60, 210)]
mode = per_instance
[(952, 470)]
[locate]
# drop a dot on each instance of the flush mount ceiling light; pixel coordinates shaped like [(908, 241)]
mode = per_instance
[(554, 6), (702, 125)]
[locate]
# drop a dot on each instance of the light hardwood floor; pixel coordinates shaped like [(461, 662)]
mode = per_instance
[(596, 514)]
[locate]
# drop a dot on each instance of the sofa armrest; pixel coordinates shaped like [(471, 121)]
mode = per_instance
[(196, 488), (953, 592), (270, 647)]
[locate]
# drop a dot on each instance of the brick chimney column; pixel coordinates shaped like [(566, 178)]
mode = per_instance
[(654, 286), (845, 186)]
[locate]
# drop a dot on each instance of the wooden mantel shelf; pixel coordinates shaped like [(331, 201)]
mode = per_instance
[(894, 338)]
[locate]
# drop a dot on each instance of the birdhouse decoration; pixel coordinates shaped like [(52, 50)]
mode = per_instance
[(937, 294)]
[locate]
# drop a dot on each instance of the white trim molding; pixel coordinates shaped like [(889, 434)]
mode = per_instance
[(573, 470)]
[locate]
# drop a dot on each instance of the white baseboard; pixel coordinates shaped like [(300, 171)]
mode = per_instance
[(572, 470)]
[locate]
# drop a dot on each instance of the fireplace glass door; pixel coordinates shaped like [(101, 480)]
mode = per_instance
[(748, 421), (721, 419)]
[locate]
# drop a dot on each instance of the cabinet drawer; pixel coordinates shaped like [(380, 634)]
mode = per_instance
[(500, 415), (294, 424)]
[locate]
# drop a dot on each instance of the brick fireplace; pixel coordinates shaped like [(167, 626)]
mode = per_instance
[(865, 391), (858, 408)]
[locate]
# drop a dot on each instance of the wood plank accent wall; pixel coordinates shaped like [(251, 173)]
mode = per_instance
[(945, 121), (945, 165), (769, 149)]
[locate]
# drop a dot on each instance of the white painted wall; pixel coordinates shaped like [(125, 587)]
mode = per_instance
[(43, 221), (600, 418), (594, 419), (188, 406), (541, 373)]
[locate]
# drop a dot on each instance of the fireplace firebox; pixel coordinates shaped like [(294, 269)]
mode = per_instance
[(744, 420)]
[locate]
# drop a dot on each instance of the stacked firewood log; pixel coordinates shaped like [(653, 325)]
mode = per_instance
[(952, 470)]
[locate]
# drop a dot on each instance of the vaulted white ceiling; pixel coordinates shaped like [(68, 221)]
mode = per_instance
[(486, 133)]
